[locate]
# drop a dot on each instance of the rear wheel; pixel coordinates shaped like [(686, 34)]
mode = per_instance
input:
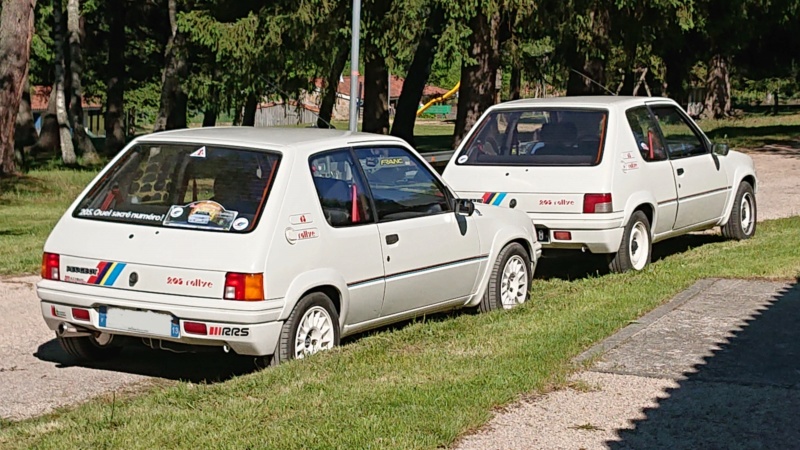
[(742, 221), (510, 281), (312, 327), (97, 347), (635, 250)]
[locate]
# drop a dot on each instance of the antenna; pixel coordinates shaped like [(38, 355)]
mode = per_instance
[(286, 94), (595, 82)]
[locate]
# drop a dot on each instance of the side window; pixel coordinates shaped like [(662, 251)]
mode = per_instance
[(645, 132), (401, 186), (341, 189), (680, 139)]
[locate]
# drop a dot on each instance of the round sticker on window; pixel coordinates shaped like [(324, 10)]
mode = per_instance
[(462, 159), (240, 224), (176, 212)]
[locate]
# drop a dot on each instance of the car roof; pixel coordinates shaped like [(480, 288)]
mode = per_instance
[(589, 101), (269, 138)]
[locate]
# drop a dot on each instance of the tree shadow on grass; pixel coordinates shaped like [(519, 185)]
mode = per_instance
[(746, 394)]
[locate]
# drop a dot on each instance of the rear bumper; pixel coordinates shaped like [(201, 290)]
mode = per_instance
[(598, 236), (247, 332)]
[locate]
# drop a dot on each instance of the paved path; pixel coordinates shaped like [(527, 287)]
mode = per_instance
[(718, 367), (36, 375)]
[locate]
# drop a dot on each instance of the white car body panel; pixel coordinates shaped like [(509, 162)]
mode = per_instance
[(699, 198), (439, 261)]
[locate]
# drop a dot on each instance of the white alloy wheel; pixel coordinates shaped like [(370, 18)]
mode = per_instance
[(314, 333), (639, 246), (746, 213), (514, 282)]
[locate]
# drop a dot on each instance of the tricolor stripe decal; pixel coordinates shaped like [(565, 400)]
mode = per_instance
[(107, 273), (494, 198)]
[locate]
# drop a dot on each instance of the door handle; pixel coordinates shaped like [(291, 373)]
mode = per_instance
[(392, 239), (680, 171)]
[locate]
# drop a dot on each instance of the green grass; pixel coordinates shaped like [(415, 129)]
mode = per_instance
[(755, 131), (30, 206), (421, 386)]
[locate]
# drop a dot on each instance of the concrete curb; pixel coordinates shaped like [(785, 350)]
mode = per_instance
[(646, 320)]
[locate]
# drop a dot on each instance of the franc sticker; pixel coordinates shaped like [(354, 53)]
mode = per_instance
[(240, 224), (462, 159)]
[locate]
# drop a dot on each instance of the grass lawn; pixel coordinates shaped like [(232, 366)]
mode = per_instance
[(417, 387)]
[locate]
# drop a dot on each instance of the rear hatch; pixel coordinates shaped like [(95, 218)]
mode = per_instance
[(168, 218)]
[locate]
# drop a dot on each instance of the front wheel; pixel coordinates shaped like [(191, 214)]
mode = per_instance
[(510, 281), (312, 327), (636, 248), (97, 347), (742, 221)]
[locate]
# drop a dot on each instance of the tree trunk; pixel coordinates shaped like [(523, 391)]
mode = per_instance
[(250, 109), (115, 68), (16, 32), (418, 73), (376, 98), (677, 67), (775, 104), (515, 84), (718, 89), (64, 137), (331, 88), (25, 134), (210, 116), (172, 109), (477, 91), (79, 137)]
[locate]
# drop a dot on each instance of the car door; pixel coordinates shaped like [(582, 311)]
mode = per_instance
[(430, 256), (657, 168), (353, 246), (701, 180)]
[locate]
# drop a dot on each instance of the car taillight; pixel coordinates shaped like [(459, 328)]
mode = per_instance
[(244, 286), (195, 328), (80, 314), (597, 203), (50, 263)]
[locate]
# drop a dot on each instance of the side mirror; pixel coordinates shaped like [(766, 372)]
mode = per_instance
[(465, 207), (721, 149)]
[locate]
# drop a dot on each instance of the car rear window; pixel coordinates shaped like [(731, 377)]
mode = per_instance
[(537, 137), (183, 186)]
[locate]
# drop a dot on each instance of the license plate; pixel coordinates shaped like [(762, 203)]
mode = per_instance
[(543, 234), (143, 322)]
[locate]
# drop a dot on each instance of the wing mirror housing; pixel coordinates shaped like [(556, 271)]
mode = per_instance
[(721, 149), (464, 207)]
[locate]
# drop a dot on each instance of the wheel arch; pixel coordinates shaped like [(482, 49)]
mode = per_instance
[(645, 202), (326, 281), (502, 238), (746, 177)]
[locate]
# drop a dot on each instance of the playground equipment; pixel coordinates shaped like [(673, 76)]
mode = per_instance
[(449, 94)]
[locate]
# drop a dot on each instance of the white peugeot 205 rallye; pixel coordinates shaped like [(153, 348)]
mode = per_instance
[(610, 175), (271, 242)]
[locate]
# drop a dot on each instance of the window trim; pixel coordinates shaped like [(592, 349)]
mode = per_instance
[(128, 153), (704, 141), (449, 199), (657, 129), (365, 182), (483, 120)]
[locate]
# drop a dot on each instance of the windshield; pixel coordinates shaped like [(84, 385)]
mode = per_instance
[(184, 186), (537, 137)]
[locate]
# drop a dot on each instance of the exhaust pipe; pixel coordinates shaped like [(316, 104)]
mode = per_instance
[(226, 348), (68, 330)]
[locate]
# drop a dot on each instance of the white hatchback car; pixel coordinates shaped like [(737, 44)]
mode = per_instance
[(271, 242), (609, 175)]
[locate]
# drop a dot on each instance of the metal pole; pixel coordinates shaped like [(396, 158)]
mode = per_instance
[(354, 65)]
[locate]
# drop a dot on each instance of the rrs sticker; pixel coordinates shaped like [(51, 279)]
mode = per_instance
[(228, 331)]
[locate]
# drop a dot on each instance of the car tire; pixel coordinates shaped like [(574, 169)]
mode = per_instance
[(636, 248), (510, 280), (313, 326), (99, 347), (742, 221)]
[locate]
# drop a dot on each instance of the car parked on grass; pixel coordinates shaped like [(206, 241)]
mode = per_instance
[(271, 242), (609, 175)]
